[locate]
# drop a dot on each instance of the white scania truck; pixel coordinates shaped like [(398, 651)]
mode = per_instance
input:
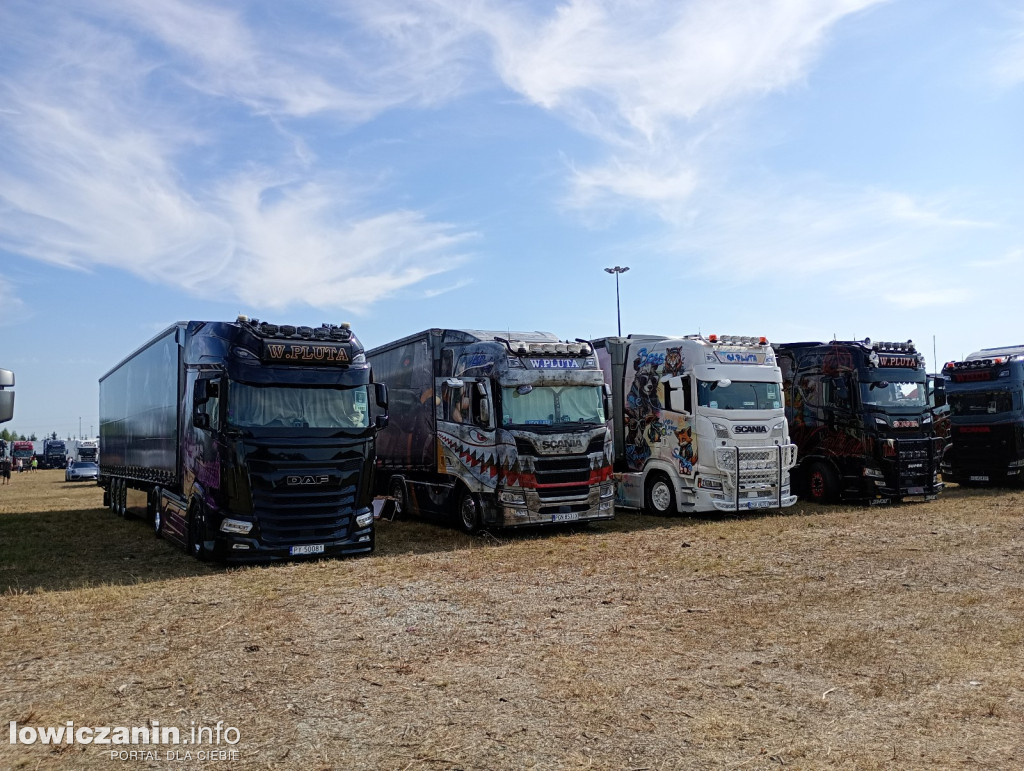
[(699, 423)]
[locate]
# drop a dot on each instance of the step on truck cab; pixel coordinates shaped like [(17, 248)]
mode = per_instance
[(860, 414), (985, 394), (499, 429), (699, 423), (245, 441)]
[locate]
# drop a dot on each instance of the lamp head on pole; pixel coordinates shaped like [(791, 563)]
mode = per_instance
[(616, 269)]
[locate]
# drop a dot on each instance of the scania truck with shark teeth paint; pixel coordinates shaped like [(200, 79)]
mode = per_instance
[(245, 441), (497, 429), (699, 423)]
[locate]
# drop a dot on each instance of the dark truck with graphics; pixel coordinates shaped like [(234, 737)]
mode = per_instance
[(499, 429), (245, 441), (54, 455), (861, 417), (985, 394)]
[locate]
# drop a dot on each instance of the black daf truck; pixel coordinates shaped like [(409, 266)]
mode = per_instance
[(245, 441), (862, 420)]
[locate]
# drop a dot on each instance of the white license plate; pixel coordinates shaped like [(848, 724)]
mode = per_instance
[(309, 548), (878, 501), (760, 504), (979, 478), (570, 517)]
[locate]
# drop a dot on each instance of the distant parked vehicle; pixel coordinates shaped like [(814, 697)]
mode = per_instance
[(81, 471)]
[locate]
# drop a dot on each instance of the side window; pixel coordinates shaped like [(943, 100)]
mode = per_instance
[(211, 404), (837, 393), (455, 404), (679, 399)]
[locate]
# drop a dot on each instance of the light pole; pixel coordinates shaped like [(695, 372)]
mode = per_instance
[(618, 311)]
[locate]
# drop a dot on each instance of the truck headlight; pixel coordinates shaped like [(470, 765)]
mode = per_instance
[(607, 491), (516, 499), (235, 526), (709, 484), (364, 520)]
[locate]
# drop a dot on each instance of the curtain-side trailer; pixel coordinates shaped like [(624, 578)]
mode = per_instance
[(699, 423), (501, 429), (245, 440)]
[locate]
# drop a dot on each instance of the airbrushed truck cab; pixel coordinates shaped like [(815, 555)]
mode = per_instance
[(699, 423), (503, 429), (861, 416), (244, 440), (985, 394)]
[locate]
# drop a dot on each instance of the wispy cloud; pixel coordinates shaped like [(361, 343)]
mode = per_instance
[(97, 169), (1009, 66), (803, 239)]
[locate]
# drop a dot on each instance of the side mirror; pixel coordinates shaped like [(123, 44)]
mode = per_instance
[(380, 395), (6, 406), (606, 398), (381, 421), (6, 378), (201, 420), (485, 405), (201, 393)]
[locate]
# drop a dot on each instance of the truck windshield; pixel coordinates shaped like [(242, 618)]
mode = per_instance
[(983, 402), (739, 395), (252, 406), (548, 405), (895, 393)]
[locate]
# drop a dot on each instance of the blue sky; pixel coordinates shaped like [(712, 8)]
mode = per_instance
[(793, 168)]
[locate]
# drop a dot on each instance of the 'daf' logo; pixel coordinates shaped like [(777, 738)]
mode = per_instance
[(307, 479)]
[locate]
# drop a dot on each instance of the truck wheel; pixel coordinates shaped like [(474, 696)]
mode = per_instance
[(659, 497), (469, 512), (396, 489), (822, 485), (196, 519), (112, 496), (122, 499)]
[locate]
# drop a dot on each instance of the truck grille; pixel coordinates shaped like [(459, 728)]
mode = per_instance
[(303, 494), (755, 472)]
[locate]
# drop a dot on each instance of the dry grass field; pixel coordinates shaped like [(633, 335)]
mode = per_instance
[(820, 637)]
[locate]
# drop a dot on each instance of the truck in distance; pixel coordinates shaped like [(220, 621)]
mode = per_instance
[(698, 422), (984, 393), (54, 455), (244, 440), (87, 450), (23, 450), (501, 429), (861, 416)]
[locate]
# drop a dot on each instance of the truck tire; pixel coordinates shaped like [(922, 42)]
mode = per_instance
[(659, 497), (469, 512), (111, 496), (822, 483), (121, 502), (396, 490)]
